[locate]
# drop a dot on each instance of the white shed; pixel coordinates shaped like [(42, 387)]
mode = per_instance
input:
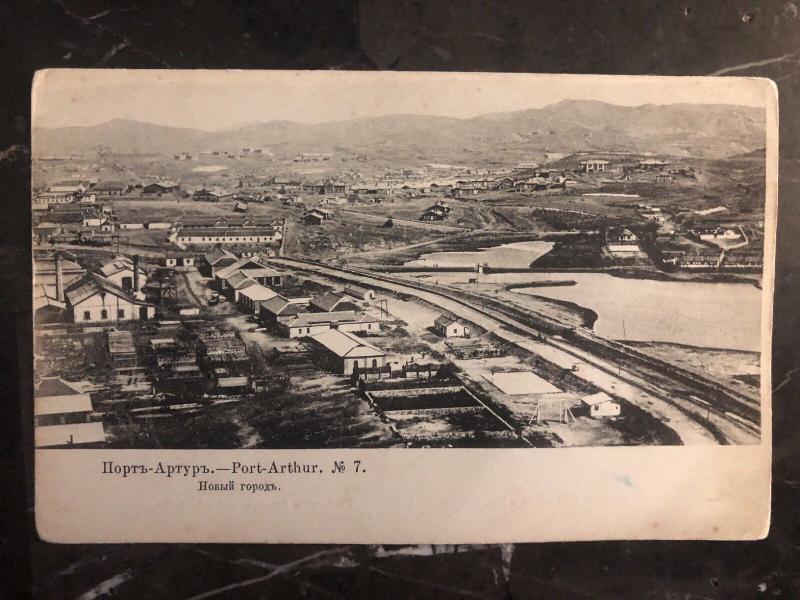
[(601, 405), (450, 327)]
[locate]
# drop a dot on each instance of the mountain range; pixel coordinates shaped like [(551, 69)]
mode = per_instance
[(701, 130)]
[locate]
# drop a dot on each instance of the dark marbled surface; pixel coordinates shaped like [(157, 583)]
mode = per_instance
[(670, 38)]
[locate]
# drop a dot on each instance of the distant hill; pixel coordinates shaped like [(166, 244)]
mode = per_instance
[(711, 131), (759, 154)]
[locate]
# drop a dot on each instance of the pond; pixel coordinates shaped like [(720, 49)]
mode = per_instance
[(515, 255), (711, 315)]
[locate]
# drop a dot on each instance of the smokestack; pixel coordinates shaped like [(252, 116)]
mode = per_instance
[(136, 273), (59, 278)]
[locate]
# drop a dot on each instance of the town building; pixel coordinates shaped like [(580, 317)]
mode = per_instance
[(124, 272), (601, 405), (334, 187), (109, 188), (252, 296), (57, 402), (214, 194), (96, 299), (360, 293), (278, 309), (218, 259), (717, 234), (178, 260), (158, 188), (48, 267), (254, 269), (503, 183), (447, 326), (622, 242), (531, 184), (342, 352), (308, 324), (43, 200), (330, 302), (460, 191), (594, 165), (311, 218), (75, 188), (227, 235), (234, 283), (651, 164)]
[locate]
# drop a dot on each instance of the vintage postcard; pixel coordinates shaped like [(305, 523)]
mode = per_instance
[(379, 307)]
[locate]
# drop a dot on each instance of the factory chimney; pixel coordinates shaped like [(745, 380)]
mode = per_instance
[(136, 273), (59, 278)]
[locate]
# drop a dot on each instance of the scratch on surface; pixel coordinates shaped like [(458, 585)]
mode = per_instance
[(757, 63), (124, 42), (283, 569), (424, 582), (107, 587), (786, 379), (252, 562)]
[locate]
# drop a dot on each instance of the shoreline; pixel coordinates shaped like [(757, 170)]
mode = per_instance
[(645, 343), (587, 316)]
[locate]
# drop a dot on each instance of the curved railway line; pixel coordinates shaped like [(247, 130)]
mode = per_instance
[(679, 388)]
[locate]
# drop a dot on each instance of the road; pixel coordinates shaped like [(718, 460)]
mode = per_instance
[(602, 374)]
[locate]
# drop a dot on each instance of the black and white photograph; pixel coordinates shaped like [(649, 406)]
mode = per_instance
[(312, 260)]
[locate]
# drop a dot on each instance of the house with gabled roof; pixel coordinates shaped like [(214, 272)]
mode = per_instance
[(278, 309), (124, 272), (94, 299), (218, 259), (342, 352), (254, 269), (58, 402), (329, 302), (448, 326)]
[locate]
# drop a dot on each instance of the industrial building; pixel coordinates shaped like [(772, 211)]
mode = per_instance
[(342, 352)]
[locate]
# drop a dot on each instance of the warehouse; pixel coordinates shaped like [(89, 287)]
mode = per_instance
[(250, 297), (57, 402), (95, 299), (228, 235), (344, 353), (307, 324)]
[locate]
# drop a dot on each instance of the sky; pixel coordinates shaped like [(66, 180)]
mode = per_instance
[(214, 100)]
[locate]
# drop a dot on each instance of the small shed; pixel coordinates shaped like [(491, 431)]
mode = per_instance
[(359, 292), (451, 327), (601, 405)]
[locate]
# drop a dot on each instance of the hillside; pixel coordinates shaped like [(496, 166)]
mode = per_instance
[(711, 131)]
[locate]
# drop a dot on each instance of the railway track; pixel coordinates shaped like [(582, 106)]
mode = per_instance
[(660, 379)]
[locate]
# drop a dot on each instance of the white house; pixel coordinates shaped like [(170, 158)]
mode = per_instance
[(601, 405), (95, 299), (594, 165), (450, 327), (308, 324), (343, 352)]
